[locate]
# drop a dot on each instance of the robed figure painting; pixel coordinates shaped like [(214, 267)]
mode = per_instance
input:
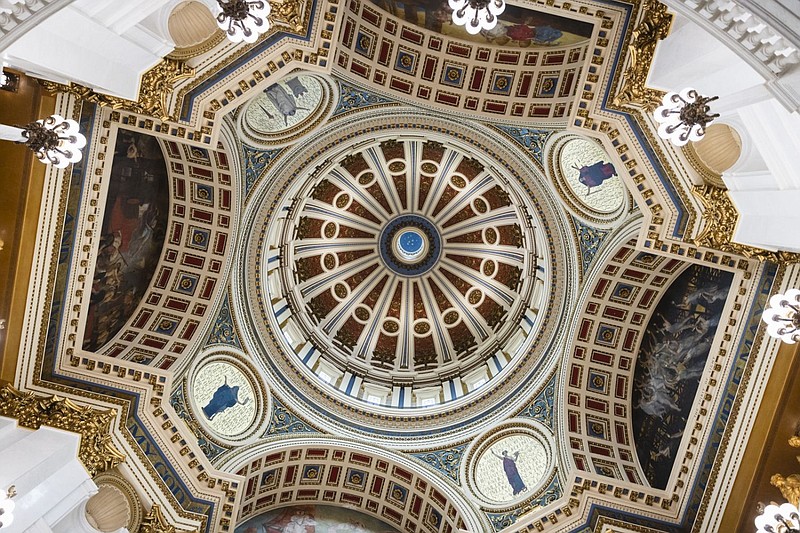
[(510, 468), (224, 397)]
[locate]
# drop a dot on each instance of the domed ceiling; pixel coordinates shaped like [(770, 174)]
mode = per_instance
[(422, 294), (404, 268)]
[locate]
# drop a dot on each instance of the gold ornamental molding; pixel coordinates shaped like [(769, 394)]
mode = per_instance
[(155, 522), (789, 487), (655, 26), (720, 218), (155, 87), (290, 12), (97, 452)]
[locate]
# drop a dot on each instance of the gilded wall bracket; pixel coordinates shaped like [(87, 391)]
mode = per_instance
[(789, 487), (97, 451), (720, 217), (156, 522), (155, 87), (654, 26)]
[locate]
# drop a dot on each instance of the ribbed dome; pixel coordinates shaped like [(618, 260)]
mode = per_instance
[(719, 149), (191, 23), (408, 257), (406, 269)]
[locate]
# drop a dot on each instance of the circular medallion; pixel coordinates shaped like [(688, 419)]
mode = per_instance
[(587, 178), (511, 463), (226, 398), (506, 469), (287, 110), (224, 395), (591, 175)]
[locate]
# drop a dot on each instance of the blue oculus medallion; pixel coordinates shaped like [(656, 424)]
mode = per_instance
[(410, 245)]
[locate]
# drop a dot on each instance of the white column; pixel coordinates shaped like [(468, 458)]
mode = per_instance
[(43, 465), (103, 44)]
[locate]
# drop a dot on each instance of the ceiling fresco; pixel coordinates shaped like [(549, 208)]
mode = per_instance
[(396, 280), (518, 26)]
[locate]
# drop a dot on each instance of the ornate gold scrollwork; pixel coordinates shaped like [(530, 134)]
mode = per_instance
[(97, 452), (720, 218), (789, 487), (155, 87), (290, 12), (654, 26), (155, 522)]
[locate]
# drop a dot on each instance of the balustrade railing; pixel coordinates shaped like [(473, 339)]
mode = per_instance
[(753, 38)]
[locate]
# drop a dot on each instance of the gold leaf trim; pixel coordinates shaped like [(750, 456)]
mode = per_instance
[(789, 487), (155, 522), (155, 87), (290, 12), (720, 218), (655, 26), (97, 452)]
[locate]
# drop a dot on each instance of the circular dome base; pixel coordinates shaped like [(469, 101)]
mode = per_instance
[(398, 270)]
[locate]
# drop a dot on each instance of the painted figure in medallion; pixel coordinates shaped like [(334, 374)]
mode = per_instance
[(510, 468), (284, 102), (224, 397), (594, 175)]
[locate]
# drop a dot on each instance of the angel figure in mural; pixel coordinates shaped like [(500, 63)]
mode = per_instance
[(510, 468), (299, 523), (224, 397)]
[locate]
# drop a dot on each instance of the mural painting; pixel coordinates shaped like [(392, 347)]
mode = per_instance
[(510, 467), (672, 357), (591, 177), (284, 105), (314, 519), (517, 27), (225, 398), (134, 227)]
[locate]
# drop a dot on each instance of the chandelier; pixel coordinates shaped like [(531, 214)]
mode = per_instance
[(684, 116), (783, 316), (54, 140), (476, 15), (783, 519), (243, 20), (7, 506)]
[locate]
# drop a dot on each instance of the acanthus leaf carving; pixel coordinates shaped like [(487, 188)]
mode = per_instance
[(155, 88), (97, 451)]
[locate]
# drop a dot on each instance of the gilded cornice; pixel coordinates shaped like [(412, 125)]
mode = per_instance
[(97, 452), (720, 218), (654, 26), (155, 88)]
